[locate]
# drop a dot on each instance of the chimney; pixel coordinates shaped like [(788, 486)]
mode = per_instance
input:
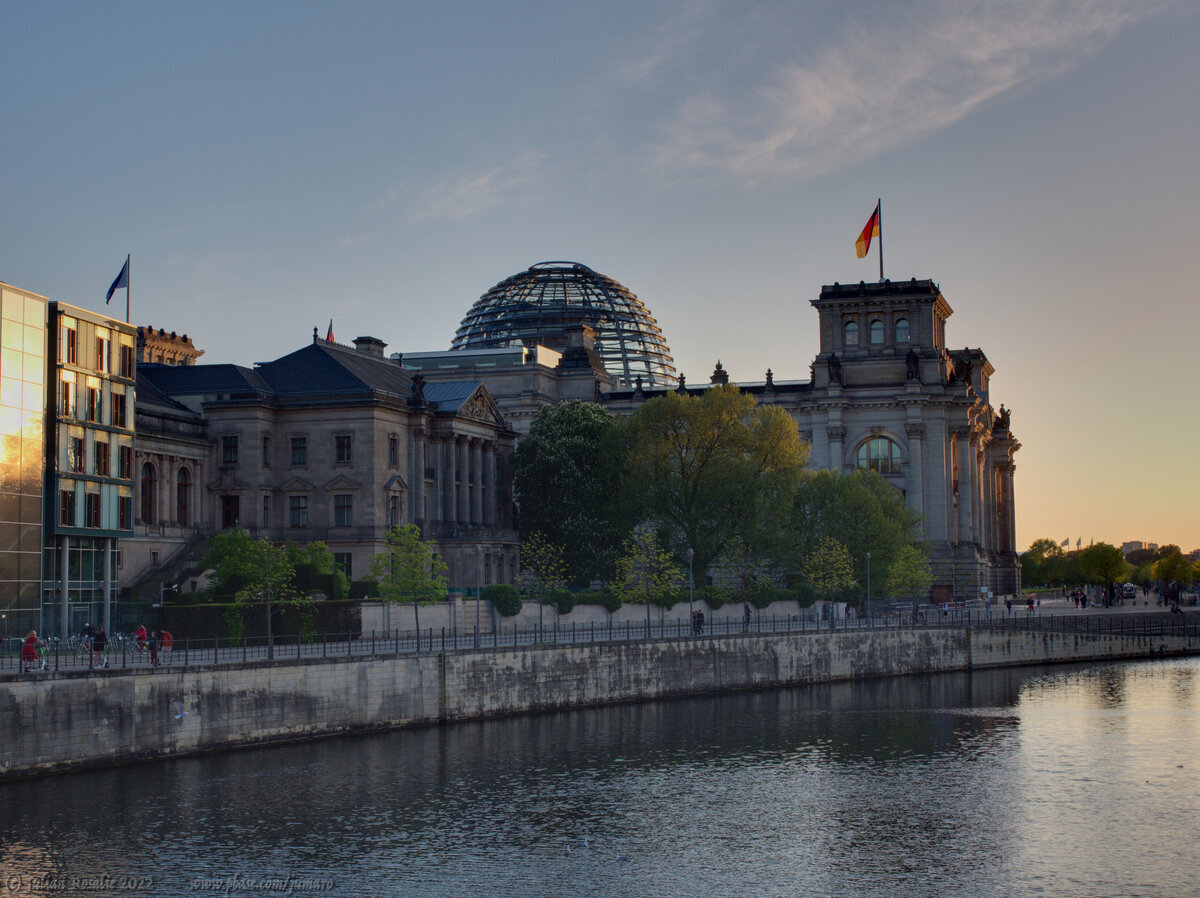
[(369, 346)]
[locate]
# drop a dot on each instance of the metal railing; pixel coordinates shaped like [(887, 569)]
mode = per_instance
[(123, 654)]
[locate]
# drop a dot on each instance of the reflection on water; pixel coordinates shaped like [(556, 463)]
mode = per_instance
[(1062, 781)]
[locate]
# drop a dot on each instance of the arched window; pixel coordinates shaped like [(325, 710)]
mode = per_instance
[(183, 483), (876, 332), (149, 493), (879, 454), (851, 331), (901, 330)]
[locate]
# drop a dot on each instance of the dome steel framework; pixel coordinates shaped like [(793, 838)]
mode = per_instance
[(539, 304)]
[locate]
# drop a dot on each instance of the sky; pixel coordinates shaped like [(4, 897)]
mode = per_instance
[(273, 166)]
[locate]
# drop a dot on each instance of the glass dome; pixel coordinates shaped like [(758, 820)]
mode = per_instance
[(539, 304)]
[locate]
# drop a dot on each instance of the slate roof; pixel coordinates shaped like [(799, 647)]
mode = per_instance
[(190, 380)]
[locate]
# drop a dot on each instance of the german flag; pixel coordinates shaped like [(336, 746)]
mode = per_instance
[(863, 244)]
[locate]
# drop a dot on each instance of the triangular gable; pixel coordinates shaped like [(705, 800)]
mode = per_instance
[(342, 483), (396, 482), (480, 406), (297, 485), (227, 483)]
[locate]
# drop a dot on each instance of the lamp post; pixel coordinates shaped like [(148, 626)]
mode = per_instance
[(691, 588), (478, 592), (868, 587)]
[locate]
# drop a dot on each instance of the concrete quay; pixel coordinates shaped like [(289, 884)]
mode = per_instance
[(74, 720)]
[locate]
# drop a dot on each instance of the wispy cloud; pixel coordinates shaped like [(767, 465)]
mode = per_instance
[(877, 87), (460, 195)]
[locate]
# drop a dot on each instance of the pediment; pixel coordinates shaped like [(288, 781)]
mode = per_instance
[(342, 484), (480, 406), (296, 485), (395, 483), (227, 483)]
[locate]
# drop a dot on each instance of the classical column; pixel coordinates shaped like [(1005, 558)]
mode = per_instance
[(963, 435), (434, 505), (449, 500), (464, 469), (489, 485), (164, 488), (476, 481), (63, 594), (418, 477), (915, 495), (836, 434)]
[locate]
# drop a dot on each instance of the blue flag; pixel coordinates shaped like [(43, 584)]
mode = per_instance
[(121, 281)]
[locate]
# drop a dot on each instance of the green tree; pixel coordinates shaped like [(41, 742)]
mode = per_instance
[(1043, 563), (1104, 563), (566, 482), (316, 559), (543, 570), (829, 568), (409, 570), (910, 574), (859, 510), (249, 571), (710, 468), (647, 572)]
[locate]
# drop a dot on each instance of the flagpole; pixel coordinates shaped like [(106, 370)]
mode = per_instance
[(129, 278), (879, 223)]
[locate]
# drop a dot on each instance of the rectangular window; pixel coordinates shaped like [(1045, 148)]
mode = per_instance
[(125, 463), (101, 459), (125, 512), (393, 511), (66, 514), (91, 510), (266, 452), (343, 510), (103, 362), (299, 450), (341, 562), (118, 410), (341, 449), (229, 450), (93, 404), (298, 511), (127, 361), (266, 514), (393, 450), (68, 398), (231, 511), (72, 352), (77, 455)]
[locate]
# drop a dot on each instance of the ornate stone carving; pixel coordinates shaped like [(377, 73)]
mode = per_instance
[(836, 434), (915, 431)]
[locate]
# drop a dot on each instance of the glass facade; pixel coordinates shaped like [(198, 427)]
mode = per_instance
[(89, 456), (22, 457)]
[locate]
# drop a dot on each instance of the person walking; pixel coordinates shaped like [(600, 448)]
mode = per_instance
[(152, 645), (99, 647), (166, 642), (29, 652)]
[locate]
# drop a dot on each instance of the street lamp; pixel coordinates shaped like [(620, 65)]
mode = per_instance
[(868, 587), (691, 588), (478, 593)]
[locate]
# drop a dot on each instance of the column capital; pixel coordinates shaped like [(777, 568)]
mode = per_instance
[(836, 433), (915, 430)]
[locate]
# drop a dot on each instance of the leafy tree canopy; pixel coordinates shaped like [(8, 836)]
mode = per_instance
[(1104, 563), (713, 467), (829, 568), (910, 574), (409, 570), (567, 474), (245, 567), (860, 511), (646, 572)]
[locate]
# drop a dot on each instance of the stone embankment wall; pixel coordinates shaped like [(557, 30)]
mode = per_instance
[(73, 720)]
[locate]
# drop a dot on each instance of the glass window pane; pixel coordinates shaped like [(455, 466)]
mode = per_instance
[(33, 337)]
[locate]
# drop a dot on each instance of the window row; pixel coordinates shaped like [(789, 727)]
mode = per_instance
[(91, 512), (343, 451), (149, 496), (101, 459), (875, 332), (102, 359), (88, 405), (298, 510)]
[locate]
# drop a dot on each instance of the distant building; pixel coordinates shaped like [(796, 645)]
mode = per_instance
[(162, 348), (332, 443), (1138, 545)]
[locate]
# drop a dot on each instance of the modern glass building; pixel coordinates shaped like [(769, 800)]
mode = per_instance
[(538, 305), (22, 456), (89, 464)]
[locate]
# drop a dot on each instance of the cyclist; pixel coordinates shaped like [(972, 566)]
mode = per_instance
[(30, 654), (139, 637), (85, 639)]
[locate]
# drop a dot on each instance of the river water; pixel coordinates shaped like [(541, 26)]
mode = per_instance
[(1064, 781)]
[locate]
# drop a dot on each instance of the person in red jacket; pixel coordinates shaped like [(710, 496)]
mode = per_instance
[(29, 652)]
